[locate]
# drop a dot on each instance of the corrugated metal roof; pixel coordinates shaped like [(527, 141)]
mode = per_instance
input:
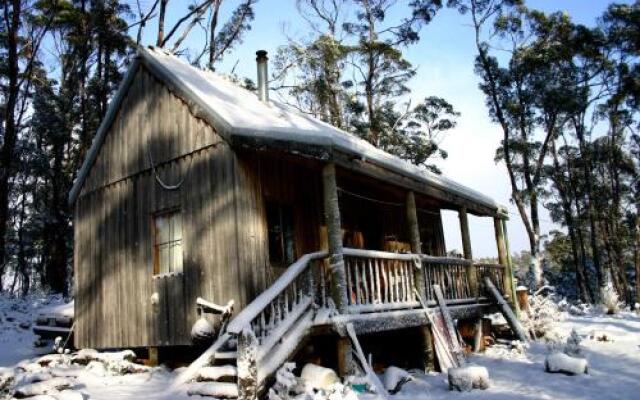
[(237, 113)]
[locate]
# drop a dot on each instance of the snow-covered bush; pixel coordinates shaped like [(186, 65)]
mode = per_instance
[(610, 300), (543, 314), (286, 385), (572, 346)]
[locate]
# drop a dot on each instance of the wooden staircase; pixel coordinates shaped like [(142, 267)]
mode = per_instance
[(268, 331)]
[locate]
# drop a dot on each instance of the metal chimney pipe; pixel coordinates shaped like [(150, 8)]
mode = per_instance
[(263, 89)]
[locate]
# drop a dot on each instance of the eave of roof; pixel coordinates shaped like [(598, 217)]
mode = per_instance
[(328, 137)]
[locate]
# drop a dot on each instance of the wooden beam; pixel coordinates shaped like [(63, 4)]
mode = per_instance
[(334, 236)]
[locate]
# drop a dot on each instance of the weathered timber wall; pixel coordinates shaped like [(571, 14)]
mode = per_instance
[(113, 218)]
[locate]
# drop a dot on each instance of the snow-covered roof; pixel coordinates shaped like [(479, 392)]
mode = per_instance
[(237, 113)]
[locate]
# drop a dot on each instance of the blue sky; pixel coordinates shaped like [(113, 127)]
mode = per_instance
[(445, 59)]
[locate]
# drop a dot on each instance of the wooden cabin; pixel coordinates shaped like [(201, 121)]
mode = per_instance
[(195, 187)]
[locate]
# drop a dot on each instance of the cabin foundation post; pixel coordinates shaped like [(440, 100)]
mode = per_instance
[(429, 349), (153, 358), (502, 258), (466, 250), (336, 261)]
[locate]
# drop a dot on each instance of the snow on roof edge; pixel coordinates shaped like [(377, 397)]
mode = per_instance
[(330, 137)]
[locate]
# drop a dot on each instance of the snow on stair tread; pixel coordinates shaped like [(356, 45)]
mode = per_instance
[(226, 355), (213, 389), (215, 373)]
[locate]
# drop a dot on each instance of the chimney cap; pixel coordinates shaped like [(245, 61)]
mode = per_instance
[(261, 55)]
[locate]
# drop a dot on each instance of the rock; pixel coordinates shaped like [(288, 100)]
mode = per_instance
[(24, 325), (84, 356), (50, 360), (394, 377), (214, 389), (563, 363), (69, 395), (7, 377), (50, 386), (97, 368), (317, 377), (468, 377)]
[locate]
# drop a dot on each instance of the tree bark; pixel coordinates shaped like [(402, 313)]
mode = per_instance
[(334, 232), (163, 10), (12, 19)]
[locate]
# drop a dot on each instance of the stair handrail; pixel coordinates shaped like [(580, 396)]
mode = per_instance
[(253, 309)]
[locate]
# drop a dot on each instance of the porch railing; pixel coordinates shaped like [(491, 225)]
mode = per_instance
[(452, 274), (378, 281), (495, 272)]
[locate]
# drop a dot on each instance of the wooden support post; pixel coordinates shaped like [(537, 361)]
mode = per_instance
[(414, 238), (412, 222), (509, 271), (502, 257), (336, 260), (464, 232), (345, 356), (466, 250), (334, 236), (154, 359), (429, 350), (478, 337)]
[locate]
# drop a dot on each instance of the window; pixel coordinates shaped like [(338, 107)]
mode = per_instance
[(281, 234), (167, 246)]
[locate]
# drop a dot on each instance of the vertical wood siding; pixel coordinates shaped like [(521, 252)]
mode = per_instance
[(114, 215)]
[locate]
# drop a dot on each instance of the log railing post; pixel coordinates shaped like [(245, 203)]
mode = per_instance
[(414, 239), (502, 257), (466, 250)]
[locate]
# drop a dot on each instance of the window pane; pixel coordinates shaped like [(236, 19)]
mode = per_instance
[(162, 229), (164, 257), (168, 242), (176, 226), (176, 264)]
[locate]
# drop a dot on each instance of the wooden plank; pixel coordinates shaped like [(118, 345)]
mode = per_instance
[(450, 327), (373, 378), (446, 359), (511, 318)]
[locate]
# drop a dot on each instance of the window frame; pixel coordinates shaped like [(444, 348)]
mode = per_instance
[(166, 213), (285, 234)]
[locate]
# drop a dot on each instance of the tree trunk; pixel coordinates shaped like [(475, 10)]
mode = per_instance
[(163, 9), (637, 255), (10, 131)]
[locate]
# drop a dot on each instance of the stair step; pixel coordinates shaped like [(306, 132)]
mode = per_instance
[(216, 373), (222, 390), (225, 355)]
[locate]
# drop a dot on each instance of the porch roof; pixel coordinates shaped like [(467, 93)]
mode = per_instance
[(242, 119)]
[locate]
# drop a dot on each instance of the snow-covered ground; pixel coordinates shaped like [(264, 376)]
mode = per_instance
[(614, 364)]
